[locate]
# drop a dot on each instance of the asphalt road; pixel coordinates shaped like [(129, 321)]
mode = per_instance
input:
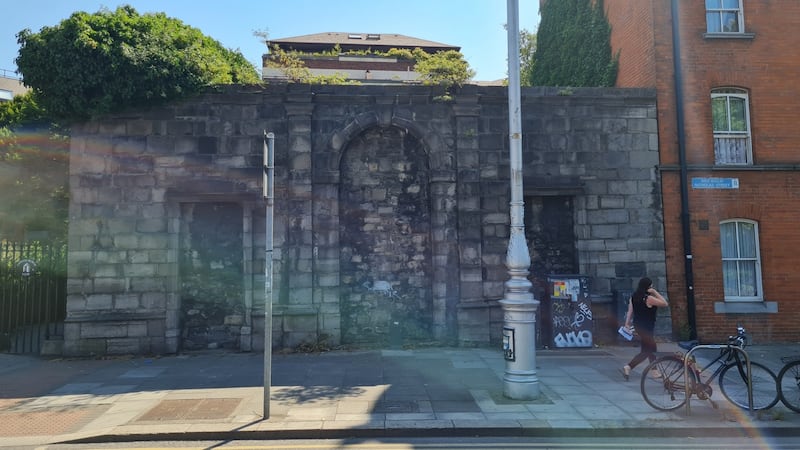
[(488, 443)]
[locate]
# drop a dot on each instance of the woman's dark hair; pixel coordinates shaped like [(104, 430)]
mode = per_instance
[(641, 290)]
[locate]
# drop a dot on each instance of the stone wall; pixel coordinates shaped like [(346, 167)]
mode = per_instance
[(391, 214)]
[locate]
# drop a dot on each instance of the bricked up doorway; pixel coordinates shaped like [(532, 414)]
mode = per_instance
[(210, 267), (550, 231), (385, 236)]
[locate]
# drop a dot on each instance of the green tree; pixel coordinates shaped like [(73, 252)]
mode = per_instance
[(296, 71), (92, 64), (33, 171), (527, 48), (446, 68), (573, 45)]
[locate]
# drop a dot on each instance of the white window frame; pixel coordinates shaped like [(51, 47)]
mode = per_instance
[(738, 258), (732, 147), (717, 9)]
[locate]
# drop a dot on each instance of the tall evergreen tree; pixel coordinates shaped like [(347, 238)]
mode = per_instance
[(573, 45)]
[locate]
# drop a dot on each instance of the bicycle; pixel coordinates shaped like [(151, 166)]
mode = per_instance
[(789, 383), (665, 380)]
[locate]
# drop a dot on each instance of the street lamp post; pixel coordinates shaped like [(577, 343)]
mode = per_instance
[(519, 305)]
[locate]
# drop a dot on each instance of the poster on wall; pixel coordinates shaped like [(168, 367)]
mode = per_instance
[(570, 311)]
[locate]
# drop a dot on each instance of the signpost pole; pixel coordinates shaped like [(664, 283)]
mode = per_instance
[(269, 196)]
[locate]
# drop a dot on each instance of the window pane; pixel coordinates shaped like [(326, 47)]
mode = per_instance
[(719, 113), (730, 22), (747, 278), (730, 150), (712, 23), (730, 279), (729, 4), (747, 240), (712, 4), (740, 265), (727, 238), (738, 116)]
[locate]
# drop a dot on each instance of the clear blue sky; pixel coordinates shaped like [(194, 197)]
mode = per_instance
[(474, 25)]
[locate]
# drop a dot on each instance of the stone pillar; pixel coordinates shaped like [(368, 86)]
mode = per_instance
[(326, 279), (300, 312), (472, 311), (246, 332), (444, 232)]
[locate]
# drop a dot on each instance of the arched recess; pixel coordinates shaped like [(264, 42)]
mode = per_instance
[(385, 258), (440, 187)]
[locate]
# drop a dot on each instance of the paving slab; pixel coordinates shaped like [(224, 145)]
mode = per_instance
[(437, 391)]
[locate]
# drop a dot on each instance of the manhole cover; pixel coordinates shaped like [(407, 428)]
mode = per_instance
[(192, 409), (396, 406)]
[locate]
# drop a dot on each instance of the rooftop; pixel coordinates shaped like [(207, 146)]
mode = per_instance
[(348, 41)]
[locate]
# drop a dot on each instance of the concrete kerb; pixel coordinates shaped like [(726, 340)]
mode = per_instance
[(356, 433)]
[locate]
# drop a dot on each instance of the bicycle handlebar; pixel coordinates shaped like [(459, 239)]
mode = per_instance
[(740, 340)]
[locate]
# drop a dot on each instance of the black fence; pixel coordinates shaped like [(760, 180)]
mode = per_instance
[(33, 294)]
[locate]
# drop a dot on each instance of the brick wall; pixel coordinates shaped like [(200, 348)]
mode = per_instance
[(632, 39), (758, 64)]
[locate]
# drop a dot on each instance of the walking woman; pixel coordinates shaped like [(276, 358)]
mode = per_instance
[(642, 308)]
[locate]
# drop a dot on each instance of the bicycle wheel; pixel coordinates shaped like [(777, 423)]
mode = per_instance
[(733, 384), (668, 390), (789, 385)]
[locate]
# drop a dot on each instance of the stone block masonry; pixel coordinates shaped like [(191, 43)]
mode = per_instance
[(391, 214)]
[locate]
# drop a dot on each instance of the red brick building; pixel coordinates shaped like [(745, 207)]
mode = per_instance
[(728, 156)]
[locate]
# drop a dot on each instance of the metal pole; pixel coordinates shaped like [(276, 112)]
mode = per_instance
[(269, 196), (686, 228), (519, 305)]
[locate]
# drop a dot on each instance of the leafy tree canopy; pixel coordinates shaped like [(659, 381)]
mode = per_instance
[(447, 68), (296, 71), (573, 45), (92, 64), (527, 48), (21, 111), (33, 171)]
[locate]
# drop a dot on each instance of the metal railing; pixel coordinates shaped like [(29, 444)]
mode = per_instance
[(33, 295), (5, 73)]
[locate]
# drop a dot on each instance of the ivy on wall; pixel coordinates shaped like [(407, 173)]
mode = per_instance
[(573, 46)]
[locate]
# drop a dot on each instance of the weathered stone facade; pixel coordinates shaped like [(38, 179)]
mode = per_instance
[(391, 214)]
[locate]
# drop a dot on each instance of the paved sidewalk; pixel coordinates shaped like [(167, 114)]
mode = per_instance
[(421, 392)]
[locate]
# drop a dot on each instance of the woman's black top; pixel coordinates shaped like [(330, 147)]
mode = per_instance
[(644, 318)]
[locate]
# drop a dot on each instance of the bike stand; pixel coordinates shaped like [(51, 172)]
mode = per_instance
[(717, 347)]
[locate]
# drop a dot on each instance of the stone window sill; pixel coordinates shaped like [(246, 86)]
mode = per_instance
[(746, 307), (729, 35)]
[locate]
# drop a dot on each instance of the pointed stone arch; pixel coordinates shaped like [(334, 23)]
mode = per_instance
[(432, 143), (385, 238), (442, 255)]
